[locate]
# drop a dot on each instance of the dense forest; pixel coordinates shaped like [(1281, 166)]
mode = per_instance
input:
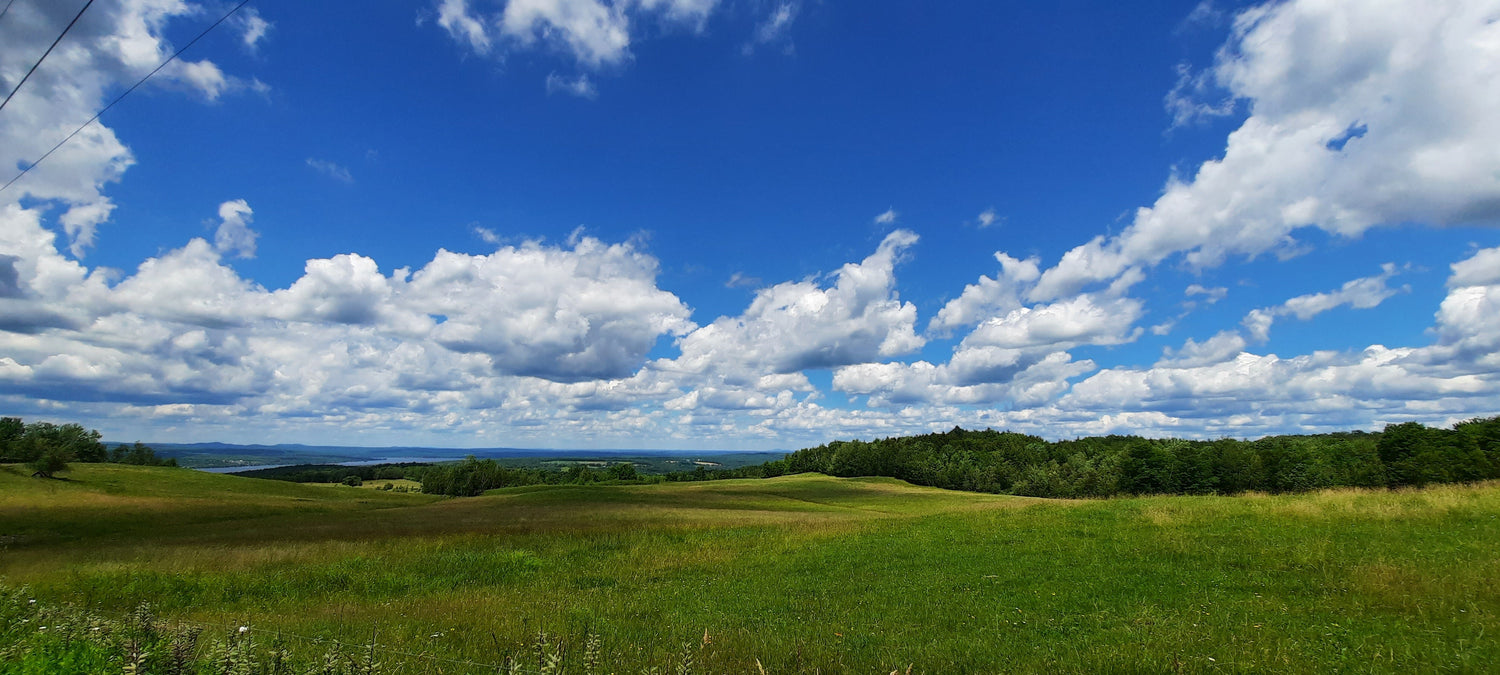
[(47, 448), (474, 476), (1011, 463), (1005, 462), (338, 473)]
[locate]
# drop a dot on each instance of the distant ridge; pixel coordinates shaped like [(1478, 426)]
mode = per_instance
[(218, 455), (419, 451)]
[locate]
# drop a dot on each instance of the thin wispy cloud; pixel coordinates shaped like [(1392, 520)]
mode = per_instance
[(580, 86), (1210, 295), (775, 28), (742, 280), (486, 235), (253, 28), (331, 169)]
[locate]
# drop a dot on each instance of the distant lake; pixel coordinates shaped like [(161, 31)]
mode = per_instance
[(233, 469)]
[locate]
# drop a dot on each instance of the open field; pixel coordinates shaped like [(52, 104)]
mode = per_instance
[(803, 573), (378, 484)]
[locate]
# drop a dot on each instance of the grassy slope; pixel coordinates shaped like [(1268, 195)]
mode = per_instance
[(804, 573)]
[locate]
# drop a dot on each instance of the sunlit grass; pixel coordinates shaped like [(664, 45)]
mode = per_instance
[(803, 573), (378, 484)]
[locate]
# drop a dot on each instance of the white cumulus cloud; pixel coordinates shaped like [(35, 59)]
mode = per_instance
[(1360, 114), (595, 33), (1086, 319), (989, 296), (118, 43), (794, 326), (591, 312)]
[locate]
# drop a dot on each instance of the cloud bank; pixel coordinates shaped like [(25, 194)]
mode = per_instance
[(1357, 115)]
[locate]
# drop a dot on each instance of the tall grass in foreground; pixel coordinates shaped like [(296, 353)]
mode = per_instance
[(42, 638)]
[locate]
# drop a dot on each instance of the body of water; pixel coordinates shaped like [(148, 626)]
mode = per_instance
[(233, 469)]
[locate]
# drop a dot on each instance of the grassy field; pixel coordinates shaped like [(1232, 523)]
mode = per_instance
[(378, 484), (803, 573)]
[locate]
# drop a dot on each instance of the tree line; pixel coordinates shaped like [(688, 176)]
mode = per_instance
[(473, 476), (338, 473), (46, 448), (1409, 454)]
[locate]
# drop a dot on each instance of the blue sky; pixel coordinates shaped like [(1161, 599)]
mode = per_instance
[(755, 224)]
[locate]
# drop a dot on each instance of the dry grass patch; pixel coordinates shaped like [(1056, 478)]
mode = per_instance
[(1383, 504)]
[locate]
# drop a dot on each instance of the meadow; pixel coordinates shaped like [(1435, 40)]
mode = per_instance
[(796, 574)]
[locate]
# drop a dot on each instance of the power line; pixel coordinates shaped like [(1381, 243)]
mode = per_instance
[(133, 87), (5, 11), (44, 54)]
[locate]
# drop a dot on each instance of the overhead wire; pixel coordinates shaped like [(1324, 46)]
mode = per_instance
[(5, 11), (44, 54), (132, 88)]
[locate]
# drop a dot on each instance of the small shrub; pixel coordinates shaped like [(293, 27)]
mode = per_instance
[(52, 460)]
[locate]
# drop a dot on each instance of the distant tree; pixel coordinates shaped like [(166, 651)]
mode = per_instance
[(82, 443), (1355, 461), (623, 471), (1194, 468), (11, 431), (1042, 480), (49, 461), (1237, 467), (38, 436), (1485, 435), (139, 455), (580, 474), (1460, 456), (1147, 468), (77, 442), (354, 481), (1399, 447)]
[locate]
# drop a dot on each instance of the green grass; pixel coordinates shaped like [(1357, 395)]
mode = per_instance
[(802, 573), (377, 484)]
